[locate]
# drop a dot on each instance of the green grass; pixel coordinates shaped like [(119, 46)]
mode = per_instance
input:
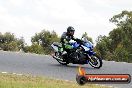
[(17, 81)]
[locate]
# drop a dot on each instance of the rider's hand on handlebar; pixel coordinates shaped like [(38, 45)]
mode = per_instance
[(79, 41)]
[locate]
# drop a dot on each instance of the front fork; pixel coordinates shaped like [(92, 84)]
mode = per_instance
[(91, 53), (90, 59)]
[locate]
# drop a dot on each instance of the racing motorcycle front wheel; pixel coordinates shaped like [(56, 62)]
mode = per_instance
[(95, 61)]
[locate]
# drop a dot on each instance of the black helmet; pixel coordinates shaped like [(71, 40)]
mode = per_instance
[(70, 29)]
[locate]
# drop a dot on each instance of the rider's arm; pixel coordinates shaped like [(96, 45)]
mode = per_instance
[(77, 40), (64, 39)]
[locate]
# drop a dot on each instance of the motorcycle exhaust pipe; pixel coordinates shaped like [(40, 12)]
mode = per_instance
[(56, 58)]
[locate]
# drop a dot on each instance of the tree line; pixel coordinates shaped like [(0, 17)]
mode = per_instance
[(8, 42), (116, 46), (40, 42)]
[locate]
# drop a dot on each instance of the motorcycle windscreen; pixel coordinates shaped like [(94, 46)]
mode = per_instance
[(88, 45)]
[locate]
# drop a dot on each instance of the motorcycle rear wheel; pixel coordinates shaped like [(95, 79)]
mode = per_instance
[(61, 61)]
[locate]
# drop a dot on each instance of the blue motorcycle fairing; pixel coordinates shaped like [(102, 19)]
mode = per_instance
[(86, 44), (75, 44), (89, 45), (91, 53)]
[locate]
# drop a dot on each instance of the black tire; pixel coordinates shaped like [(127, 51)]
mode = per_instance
[(60, 61), (81, 80), (99, 62), (63, 63)]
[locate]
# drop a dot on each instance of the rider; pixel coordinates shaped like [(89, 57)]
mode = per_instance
[(66, 37)]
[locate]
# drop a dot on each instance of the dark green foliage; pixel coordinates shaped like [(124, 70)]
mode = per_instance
[(35, 48), (8, 42), (118, 45), (41, 42), (45, 39)]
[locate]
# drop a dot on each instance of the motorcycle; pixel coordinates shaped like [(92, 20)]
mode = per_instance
[(82, 53)]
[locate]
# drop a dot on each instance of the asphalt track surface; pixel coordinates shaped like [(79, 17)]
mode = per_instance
[(41, 65)]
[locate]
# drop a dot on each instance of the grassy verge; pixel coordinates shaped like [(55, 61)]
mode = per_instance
[(17, 81)]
